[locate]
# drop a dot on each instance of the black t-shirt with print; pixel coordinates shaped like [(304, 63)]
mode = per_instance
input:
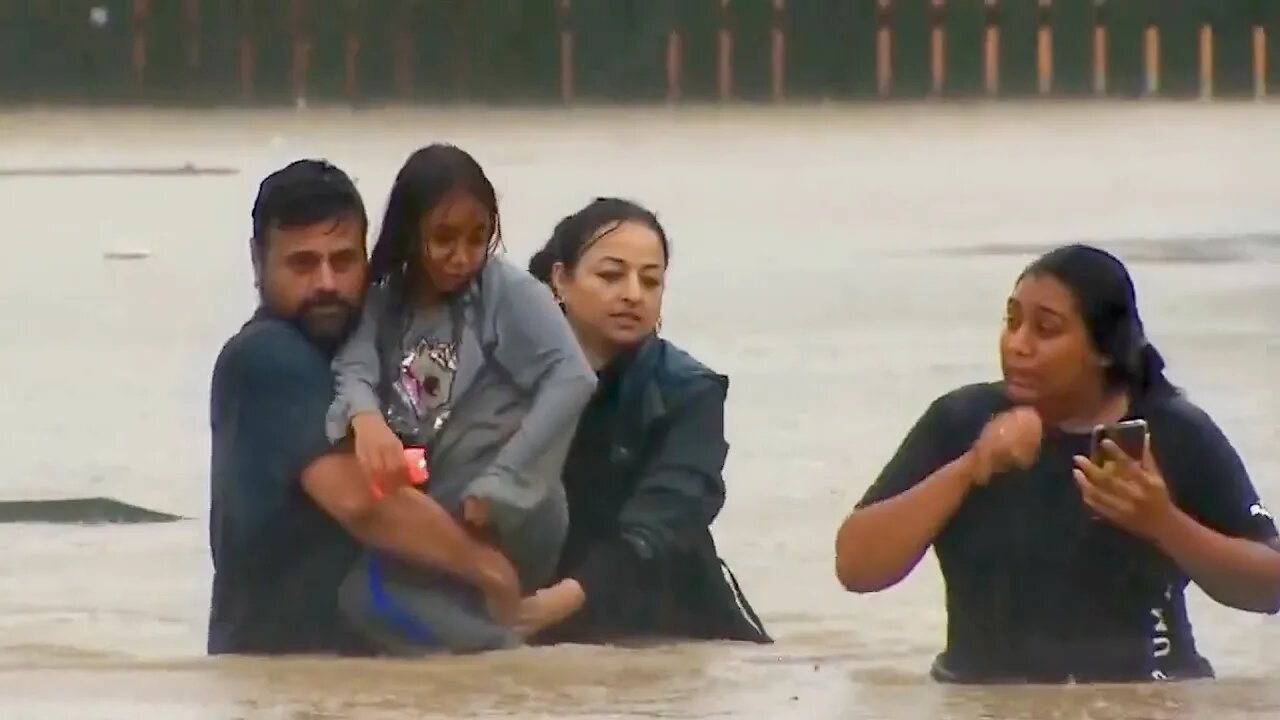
[(1037, 590)]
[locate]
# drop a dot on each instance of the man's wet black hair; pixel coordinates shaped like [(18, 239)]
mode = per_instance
[(429, 176), (576, 233), (302, 193), (1107, 302)]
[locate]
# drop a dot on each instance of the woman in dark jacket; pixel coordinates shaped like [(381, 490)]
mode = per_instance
[(644, 472)]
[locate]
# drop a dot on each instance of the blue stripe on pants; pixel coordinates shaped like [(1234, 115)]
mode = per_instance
[(385, 606)]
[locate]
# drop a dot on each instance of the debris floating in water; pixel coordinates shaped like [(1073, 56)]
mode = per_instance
[(185, 170), (126, 254)]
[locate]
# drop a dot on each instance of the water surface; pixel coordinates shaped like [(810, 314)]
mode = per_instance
[(843, 265)]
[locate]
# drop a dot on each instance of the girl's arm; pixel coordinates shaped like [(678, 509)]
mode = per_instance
[(537, 347), (356, 371), (356, 408)]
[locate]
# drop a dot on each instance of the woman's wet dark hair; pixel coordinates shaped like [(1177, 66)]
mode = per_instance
[(576, 233), (427, 177), (1107, 302)]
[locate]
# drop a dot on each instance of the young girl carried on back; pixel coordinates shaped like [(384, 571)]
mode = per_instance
[(468, 357)]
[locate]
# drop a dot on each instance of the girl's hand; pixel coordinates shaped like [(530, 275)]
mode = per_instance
[(379, 451)]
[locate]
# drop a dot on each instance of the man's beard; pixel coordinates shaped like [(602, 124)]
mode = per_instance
[(327, 320)]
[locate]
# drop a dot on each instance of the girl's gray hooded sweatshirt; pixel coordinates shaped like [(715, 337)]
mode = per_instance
[(510, 381)]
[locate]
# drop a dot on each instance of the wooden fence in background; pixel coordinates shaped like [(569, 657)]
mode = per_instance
[(250, 52)]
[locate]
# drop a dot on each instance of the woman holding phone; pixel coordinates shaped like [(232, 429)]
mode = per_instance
[(1059, 566)]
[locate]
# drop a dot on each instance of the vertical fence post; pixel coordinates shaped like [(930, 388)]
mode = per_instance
[(245, 57), (404, 50), (564, 15), (1044, 47), (884, 48), (1100, 48), (300, 43), (778, 51), (351, 55), (991, 49), (141, 10), (724, 54), (462, 72), (1151, 59), (192, 21), (1206, 60), (938, 46), (1259, 60), (675, 60)]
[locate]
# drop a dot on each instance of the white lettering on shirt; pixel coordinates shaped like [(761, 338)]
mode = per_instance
[(1161, 641)]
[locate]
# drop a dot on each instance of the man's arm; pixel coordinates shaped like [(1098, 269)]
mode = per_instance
[(284, 387), (408, 524)]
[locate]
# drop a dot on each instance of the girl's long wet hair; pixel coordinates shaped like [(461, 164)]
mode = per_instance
[(427, 178), (1107, 302), (576, 233)]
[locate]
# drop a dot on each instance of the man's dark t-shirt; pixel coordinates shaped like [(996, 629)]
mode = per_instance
[(1038, 590), (278, 558)]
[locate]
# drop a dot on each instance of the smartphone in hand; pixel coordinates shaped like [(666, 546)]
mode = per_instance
[(1129, 435)]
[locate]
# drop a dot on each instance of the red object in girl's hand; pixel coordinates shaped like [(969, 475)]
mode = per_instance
[(416, 460)]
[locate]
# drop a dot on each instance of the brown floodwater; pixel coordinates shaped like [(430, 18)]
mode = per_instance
[(844, 265)]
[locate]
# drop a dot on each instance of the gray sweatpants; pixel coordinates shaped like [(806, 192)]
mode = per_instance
[(407, 611)]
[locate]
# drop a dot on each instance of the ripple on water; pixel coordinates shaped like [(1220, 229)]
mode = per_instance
[(1205, 249)]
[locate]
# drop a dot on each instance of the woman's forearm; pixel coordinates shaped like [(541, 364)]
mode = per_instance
[(1244, 574), (878, 545)]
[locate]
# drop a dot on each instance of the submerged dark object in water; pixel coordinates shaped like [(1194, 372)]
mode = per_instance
[(79, 511), (186, 170)]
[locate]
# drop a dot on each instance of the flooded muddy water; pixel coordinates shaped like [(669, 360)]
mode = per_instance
[(844, 265)]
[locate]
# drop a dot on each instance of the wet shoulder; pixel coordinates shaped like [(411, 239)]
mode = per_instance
[(507, 289), (266, 348), (1183, 431), (1179, 413), (679, 373), (502, 276)]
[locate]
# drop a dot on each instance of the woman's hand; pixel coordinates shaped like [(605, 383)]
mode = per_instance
[(475, 512), (380, 452), (1128, 493), (1009, 440), (549, 606)]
